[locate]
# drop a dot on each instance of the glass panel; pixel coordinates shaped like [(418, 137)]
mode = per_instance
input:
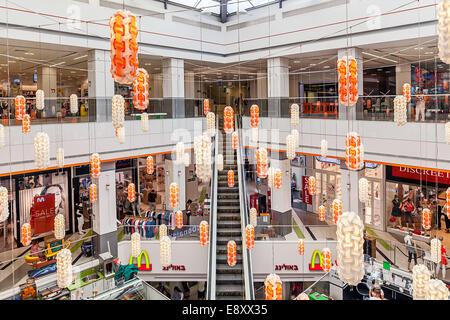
[(318, 190)]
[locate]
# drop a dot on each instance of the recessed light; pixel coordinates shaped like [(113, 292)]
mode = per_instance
[(297, 61), (418, 48), (157, 68), (148, 64), (326, 67), (429, 52), (73, 72), (312, 64), (29, 53)]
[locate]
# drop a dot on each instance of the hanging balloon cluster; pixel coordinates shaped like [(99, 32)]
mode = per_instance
[(322, 213), (254, 121), (262, 162), (235, 140), (174, 195), (301, 247), (4, 205), (230, 178), (210, 123), (400, 111), (290, 147), (131, 192), (206, 106), (93, 193), (336, 210), (348, 80), (150, 165), (354, 152), (228, 120), (140, 89), (250, 236), (204, 233), (231, 253), (272, 287), (202, 151)]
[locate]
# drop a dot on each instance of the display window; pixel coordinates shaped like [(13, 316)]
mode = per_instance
[(373, 209), (328, 183), (82, 206), (126, 174), (7, 231), (426, 189), (40, 198)]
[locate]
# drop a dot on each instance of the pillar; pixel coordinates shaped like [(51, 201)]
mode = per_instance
[(349, 113), (402, 76), (277, 87), (173, 88), (189, 90), (350, 192), (281, 199), (104, 223), (100, 84), (46, 81)]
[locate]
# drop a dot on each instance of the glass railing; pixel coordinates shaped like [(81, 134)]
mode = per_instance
[(57, 110)]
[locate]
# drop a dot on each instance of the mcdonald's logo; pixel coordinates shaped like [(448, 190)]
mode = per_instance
[(147, 266), (313, 265)]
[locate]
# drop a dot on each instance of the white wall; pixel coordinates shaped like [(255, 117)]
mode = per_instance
[(414, 144), (80, 140)]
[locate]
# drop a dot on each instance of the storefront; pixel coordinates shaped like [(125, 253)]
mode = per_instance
[(328, 183), (8, 233), (44, 190), (426, 188), (374, 209), (126, 173), (81, 205)]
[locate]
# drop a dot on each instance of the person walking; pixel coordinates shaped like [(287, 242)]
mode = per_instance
[(411, 247), (420, 105), (396, 211), (443, 263), (409, 207), (442, 211), (152, 195)]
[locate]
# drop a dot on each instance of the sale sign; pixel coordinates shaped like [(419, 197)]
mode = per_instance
[(43, 214), (307, 198)]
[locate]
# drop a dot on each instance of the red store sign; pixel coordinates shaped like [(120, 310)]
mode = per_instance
[(421, 174), (43, 213), (307, 198)]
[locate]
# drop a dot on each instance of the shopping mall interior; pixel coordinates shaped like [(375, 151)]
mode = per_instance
[(224, 150)]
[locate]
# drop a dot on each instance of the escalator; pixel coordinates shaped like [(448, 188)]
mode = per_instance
[(229, 280)]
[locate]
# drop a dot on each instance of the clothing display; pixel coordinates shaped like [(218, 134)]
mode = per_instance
[(147, 226)]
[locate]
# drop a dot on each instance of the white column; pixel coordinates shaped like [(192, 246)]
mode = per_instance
[(402, 76), (104, 223), (100, 84), (281, 199), (189, 90), (173, 87), (277, 86), (349, 113), (349, 188), (47, 82)]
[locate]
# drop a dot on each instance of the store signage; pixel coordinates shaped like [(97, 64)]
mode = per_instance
[(174, 268), (147, 266), (313, 265), (183, 233), (280, 267), (307, 198), (43, 213), (421, 174)]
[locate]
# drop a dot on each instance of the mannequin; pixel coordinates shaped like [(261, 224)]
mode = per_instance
[(80, 220)]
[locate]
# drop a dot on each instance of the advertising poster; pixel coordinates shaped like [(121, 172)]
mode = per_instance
[(43, 214)]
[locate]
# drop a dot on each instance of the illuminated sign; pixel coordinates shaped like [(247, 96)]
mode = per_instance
[(147, 266)]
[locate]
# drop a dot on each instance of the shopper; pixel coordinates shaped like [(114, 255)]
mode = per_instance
[(375, 286), (409, 207), (188, 212), (396, 211), (152, 199), (411, 247), (442, 211), (177, 294), (420, 105), (376, 294), (35, 250), (443, 263), (201, 290)]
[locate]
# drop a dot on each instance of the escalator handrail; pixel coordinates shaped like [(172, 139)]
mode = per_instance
[(247, 261), (211, 283)]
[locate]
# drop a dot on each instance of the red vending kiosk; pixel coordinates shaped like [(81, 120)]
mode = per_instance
[(258, 201)]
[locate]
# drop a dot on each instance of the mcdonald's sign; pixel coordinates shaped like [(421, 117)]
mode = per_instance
[(313, 265), (147, 266)]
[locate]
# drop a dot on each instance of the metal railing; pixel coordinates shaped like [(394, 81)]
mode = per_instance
[(211, 276), (247, 259)]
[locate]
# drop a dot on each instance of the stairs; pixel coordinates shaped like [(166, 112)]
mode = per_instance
[(229, 280)]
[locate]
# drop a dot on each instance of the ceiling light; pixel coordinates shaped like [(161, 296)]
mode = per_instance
[(157, 68), (429, 52), (12, 61), (58, 64), (29, 53), (312, 64), (326, 67), (148, 64), (77, 58), (418, 48), (375, 56)]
